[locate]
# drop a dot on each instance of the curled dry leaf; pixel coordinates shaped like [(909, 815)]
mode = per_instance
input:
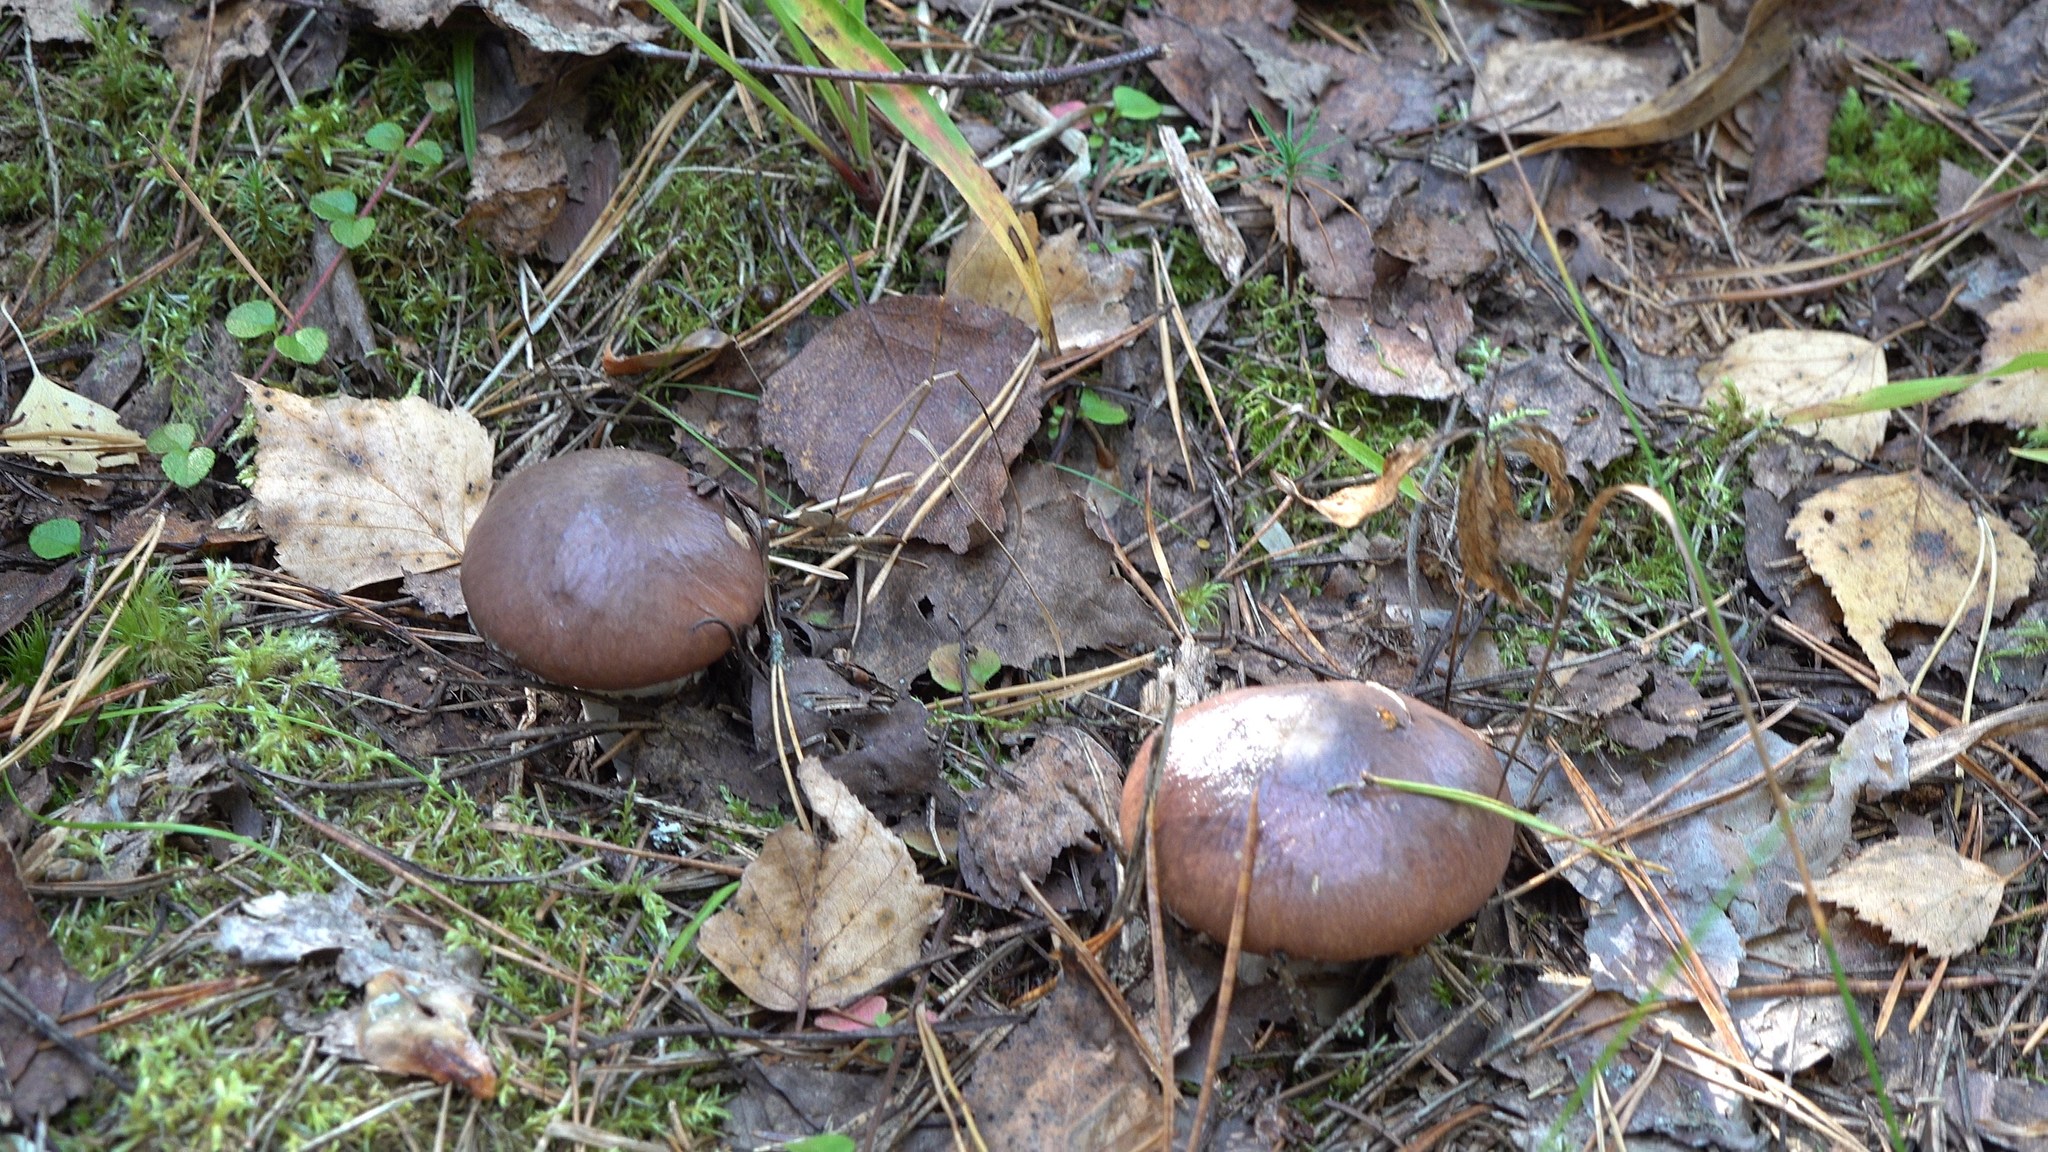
[(356, 491), (1348, 507), (2019, 325), (1921, 892), (1780, 371), (1901, 549), (1491, 534), (886, 390), (816, 924), (58, 426), (1087, 288)]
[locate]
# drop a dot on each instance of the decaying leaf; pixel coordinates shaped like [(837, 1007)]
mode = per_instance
[(1348, 507), (583, 27), (36, 1080), (2019, 325), (356, 491), (419, 1028), (1058, 794), (1400, 341), (886, 391), (201, 46), (1901, 549), (58, 426), (1778, 371), (818, 925), (1087, 288), (1053, 589), (57, 19), (519, 187), (1566, 400), (1068, 1078), (1921, 891), (1562, 85), (1491, 534)]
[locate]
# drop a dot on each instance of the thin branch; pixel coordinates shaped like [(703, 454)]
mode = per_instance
[(1000, 81)]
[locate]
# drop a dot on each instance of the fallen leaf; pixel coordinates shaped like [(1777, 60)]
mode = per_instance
[(58, 426), (356, 491), (36, 1080), (1569, 402), (2021, 401), (519, 187), (1921, 891), (1053, 798), (1769, 36), (1087, 288), (1563, 85), (1901, 549), (284, 928), (1067, 1078), (1332, 239), (416, 1028), (201, 46), (1782, 370), (57, 19), (1442, 227), (582, 27), (1349, 507), (1400, 342), (889, 388), (818, 925), (1053, 589)]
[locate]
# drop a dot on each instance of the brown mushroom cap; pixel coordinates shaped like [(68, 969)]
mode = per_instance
[(605, 570), (1360, 872)]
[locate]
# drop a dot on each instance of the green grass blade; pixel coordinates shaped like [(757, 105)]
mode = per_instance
[(1907, 393), (848, 43), (851, 119), (1371, 457), (719, 56), (464, 82)]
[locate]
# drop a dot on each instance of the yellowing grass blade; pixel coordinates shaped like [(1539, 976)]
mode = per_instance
[(849, 44)]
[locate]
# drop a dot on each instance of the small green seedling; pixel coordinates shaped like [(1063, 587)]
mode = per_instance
[(257, 318), (185, 461), (822, 1142), (56, 539), (944, 666), (1132, 104), (337, 206), (1093, 407), (386, 136)]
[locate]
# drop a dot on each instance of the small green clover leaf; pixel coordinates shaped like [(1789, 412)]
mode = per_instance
[(1097, 410), (56, 539), (256, 318), (184, 464), (354, 232), (440, 95), (426, 154), (334, 204), (302, 345), (385, 136)]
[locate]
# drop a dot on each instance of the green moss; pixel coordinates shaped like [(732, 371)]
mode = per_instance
[(1886, 163)]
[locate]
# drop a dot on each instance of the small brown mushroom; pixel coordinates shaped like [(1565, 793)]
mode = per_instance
[(1344, 870), (605, 570)]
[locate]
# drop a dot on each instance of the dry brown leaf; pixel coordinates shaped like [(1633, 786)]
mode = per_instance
[(1920, 891), (818, 925), (58, 426), (36, 1079), (356, 491), (1769, 37), (1901, 549), (415, 1027), (1778, 371), (1063, 790), (1562, 85), (887, 389), (1087, 288), (583, 27), (1348, 507), (2019, 325), (57, 19)]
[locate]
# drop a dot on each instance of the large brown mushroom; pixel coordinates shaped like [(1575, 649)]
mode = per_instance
[(605, 570), (1344, 870)]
